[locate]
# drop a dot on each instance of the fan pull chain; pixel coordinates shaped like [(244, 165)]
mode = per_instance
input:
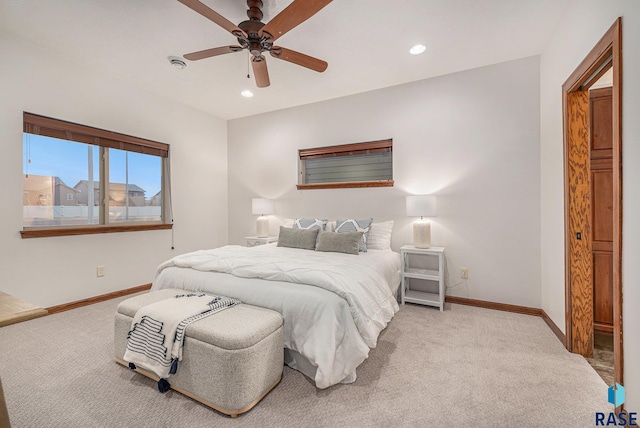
[(248, 60)]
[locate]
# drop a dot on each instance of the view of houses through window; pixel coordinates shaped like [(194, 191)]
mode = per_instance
[(62, 184)]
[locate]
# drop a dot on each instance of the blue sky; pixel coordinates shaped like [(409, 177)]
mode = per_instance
[(69, 161)]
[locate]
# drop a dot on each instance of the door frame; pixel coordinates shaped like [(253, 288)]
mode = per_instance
[(609, 48)]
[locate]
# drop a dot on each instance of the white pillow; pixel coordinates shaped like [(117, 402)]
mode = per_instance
[(331, 226), (288, 222), (379, 237)]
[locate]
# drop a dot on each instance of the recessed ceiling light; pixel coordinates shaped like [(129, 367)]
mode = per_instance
[(177, 62), (246, 94), (417, 49)]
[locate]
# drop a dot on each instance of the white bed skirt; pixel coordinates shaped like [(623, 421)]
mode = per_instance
[(301, 364)]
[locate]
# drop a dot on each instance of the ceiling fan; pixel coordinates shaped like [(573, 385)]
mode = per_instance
[(258, 37)]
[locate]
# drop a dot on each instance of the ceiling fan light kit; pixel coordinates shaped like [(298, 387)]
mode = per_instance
[(258, 37)]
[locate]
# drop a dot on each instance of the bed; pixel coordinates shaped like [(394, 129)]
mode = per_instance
[(334, 305)]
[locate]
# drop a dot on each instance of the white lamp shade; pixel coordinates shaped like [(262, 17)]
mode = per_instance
[(261, 206), (422, 206)]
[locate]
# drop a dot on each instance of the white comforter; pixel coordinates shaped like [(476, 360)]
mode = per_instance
[(333, 324)]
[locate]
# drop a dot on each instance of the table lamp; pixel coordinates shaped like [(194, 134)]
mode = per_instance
[(262, 207), (421, 206)]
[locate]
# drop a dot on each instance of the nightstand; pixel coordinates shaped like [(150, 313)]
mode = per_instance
[(427, 274), (253, 241)]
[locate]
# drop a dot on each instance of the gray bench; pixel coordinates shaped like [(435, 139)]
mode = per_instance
[(231, 359)]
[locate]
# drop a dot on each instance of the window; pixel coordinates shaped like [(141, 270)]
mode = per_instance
[(68, 167), (367, 164), (143, 173)]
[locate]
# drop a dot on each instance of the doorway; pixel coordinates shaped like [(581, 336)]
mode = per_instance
[(590, 258), (601, 166)]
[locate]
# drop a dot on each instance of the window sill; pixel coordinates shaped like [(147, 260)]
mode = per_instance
[(345, 185), (68, 231)]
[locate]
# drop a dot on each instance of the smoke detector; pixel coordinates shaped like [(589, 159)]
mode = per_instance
[(177, 62)]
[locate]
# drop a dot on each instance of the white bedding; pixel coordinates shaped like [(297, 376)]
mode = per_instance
[(334, 305)]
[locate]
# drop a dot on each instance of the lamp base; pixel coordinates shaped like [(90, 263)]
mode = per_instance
[(422, 234), (262, 227)]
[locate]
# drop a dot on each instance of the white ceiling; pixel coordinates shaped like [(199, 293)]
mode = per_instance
[(365, 42)]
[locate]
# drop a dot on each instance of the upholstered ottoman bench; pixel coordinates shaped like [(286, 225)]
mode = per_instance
[(230, 359)]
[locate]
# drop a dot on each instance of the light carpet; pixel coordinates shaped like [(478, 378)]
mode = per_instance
[(465, 366)]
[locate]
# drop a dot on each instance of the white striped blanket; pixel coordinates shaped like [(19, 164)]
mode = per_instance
[(157, 330)]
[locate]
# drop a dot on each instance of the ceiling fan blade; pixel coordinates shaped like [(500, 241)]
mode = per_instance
[(214, 16), (207, 53), (292, 16), (299, 58), (260, 72)]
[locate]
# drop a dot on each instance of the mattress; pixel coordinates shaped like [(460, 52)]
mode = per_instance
[(334, 305)]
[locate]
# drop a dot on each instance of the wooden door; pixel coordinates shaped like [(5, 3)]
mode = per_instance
[(601, 162), (579, 222)]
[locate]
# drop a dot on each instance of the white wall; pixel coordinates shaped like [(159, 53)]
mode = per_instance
[(51, 271), (472, 138), (583, 24)]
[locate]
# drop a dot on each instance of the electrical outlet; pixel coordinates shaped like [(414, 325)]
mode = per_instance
[(100, 271), (464, 273)]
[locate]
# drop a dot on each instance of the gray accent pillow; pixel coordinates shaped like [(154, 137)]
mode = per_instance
[(297, 238), (311, 223), (353, 225), (346, 242)]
